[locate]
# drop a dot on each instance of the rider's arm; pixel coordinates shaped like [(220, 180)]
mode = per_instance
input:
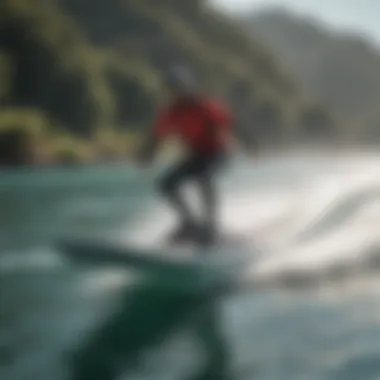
[(225, 125), (160, 130), (230, 133)]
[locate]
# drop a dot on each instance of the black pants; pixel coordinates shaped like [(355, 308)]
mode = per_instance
[(201, 169)]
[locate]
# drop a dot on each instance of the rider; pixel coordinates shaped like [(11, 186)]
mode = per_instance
[(203, 125)]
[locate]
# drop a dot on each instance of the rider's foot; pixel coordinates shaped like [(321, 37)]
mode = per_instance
[(207, 236), (185, 232)]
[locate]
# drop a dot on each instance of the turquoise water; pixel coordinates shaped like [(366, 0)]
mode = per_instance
[(312, 311)]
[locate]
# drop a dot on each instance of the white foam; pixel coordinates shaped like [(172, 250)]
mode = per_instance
[(335, 205)]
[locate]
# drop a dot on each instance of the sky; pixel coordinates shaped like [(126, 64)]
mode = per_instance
[(360, 16)]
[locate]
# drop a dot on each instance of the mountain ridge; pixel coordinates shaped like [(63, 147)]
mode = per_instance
[(337, 68)]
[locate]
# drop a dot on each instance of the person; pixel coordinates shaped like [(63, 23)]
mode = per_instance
[(203, 125)]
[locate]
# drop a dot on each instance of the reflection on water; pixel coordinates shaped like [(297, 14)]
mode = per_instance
[(60, 321)]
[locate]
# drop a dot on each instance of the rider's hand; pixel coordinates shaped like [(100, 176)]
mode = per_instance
[(144, 159), (146, 153)]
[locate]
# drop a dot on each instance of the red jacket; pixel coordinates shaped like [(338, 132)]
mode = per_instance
[(203, 125)]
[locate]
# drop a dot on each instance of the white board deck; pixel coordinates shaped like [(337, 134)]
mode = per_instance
[(225, 263), (225, 242)]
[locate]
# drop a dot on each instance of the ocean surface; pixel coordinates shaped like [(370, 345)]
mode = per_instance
[(311, 312)]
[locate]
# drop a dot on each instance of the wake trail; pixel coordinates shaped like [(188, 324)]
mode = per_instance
[(320, 225)]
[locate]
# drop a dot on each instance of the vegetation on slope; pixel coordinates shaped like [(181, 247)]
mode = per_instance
[(80, 80)]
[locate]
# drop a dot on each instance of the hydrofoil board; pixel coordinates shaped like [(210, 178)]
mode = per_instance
[(226, 262)]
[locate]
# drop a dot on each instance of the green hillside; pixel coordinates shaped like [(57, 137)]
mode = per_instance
[(83, 78)]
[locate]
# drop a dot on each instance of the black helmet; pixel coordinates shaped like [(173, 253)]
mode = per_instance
[(180, 77)]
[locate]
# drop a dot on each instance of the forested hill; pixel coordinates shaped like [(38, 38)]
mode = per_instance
[(82, 77), (338, 67)]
